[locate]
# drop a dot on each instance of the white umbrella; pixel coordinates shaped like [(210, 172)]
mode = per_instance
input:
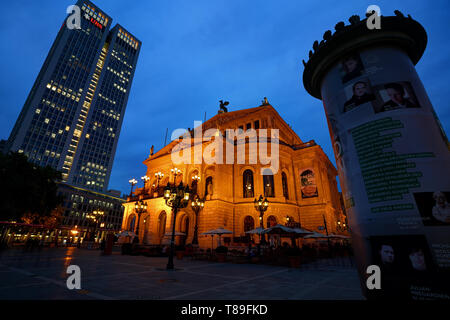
[(258, 230), (301, 231), (338, 236), (280, 229), (127, 233), (316, 235), (219, 232)]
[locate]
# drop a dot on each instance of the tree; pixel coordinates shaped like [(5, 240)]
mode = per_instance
[(27, 191)]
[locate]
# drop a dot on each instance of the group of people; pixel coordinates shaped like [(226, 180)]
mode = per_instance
[(362, 93)]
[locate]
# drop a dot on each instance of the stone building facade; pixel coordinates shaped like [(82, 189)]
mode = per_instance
[(304, 187)]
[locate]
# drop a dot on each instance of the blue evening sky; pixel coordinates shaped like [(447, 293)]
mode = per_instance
[(197, 52)]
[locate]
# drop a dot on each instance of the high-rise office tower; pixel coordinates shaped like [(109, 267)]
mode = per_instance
[(72, 117)]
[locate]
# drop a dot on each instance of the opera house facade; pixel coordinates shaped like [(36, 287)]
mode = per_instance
[(302, 189)]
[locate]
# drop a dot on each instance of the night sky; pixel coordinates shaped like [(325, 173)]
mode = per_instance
[(195, 53)]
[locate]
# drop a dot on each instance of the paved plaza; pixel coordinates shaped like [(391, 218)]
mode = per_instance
[(42, 275)]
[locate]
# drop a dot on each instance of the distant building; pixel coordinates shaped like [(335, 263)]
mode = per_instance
[(303, 191), (79, 202), (73, 115)]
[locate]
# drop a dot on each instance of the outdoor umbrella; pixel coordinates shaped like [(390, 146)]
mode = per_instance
[(219, 232), (258, 230), (338, 236), (287, 232), (126, 233), (302, 232), (278, 229), (316, 235)]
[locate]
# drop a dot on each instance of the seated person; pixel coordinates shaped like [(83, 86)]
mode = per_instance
[(361, 95), (397, 94)]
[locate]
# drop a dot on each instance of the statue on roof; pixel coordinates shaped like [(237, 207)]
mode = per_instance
[(152, 149), (223, 107), (265, 102)]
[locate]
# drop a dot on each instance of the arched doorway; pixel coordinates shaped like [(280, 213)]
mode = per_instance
[(132, 223), (161, 225)]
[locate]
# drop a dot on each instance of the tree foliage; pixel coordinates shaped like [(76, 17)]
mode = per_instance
[(27, 190)]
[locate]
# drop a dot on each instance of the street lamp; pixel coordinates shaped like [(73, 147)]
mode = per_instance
[(261, 206), (197, 204), (175, 171), (158, 175), (342, 226), (140, 207), (133, 182), (145, 179), (195, 180), (94, 219), (176, 198)]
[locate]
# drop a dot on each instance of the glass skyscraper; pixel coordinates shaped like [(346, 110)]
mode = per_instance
[(72, 117)]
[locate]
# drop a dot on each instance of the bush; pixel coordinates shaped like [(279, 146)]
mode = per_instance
[(221, 249)]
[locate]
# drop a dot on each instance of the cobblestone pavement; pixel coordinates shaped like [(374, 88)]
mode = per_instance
[(42, 275)]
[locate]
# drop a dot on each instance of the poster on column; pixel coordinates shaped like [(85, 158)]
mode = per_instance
[(394, 166)]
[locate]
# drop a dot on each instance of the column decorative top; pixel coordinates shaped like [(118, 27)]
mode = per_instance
[(398, 30)]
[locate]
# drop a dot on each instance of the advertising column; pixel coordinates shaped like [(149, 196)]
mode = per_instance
[(391, 152)]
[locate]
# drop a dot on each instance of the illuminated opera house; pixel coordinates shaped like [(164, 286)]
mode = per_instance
[(301, 190)]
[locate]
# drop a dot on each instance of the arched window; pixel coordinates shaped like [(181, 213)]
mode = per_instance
[(248, 184), (271, 221), (269, 187), (249, 223), (284, 182), (308, 184)]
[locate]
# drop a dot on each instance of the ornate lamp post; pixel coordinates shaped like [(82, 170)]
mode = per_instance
[(342, 226), (175, 171), (145, 179), (197, 204), (195, 180), (94, 219), (133, 182), (140, 207), (261, 206), (176, 198), (158, 175)]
